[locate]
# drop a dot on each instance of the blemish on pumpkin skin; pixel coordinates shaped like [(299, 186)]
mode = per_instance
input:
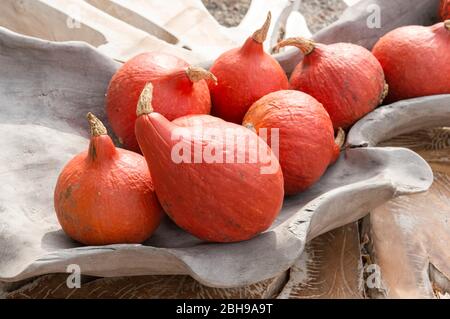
[(66, 195), (68, 192), (70, 219)]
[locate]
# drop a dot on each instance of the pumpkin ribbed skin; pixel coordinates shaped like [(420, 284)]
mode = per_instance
[(175, 94), (346, 78), (416, 61), (217, 202), (105, 196), (306, 135), (444, 10), (244, 75)]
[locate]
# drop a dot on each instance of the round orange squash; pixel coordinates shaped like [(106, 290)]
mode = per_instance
[(244, 75), (305, 135), (179, 90), (346, 78), (416, 60), (105, 195)]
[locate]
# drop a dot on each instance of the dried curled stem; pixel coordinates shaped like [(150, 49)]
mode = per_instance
[(340, 138), (261, 34), (385, 93), (447, 24), (306, 46), (196, 74), (97, 127), (144, 105)]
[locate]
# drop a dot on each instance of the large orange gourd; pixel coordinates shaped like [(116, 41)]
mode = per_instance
[(244, 75), (207, 192), (306, 136), (105, 195), (346, 78), (416, 60), (179, 90)]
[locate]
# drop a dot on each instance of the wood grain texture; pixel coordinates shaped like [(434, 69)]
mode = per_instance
[(330, 267), (410, 235), (142, 287)]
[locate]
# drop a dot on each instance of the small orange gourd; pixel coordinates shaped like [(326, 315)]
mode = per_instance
[(105, 195), (180, 90), (244, 75), (415, 60), (346, 78), (306, 137)]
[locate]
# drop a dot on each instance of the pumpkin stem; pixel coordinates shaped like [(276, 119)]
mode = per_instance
[(97, 127), (385, 92), (340, 138), (196, 74), (304, 45), (447, 24), (261, 34), (144, 105)]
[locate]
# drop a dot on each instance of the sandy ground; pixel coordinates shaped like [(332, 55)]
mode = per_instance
[(318, 13)]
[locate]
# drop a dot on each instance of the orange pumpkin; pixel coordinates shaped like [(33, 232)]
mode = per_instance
[(179, 90), (416, 60), (105, 195), (306, 135), (346, 78), (219, 200), (244, 75)]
